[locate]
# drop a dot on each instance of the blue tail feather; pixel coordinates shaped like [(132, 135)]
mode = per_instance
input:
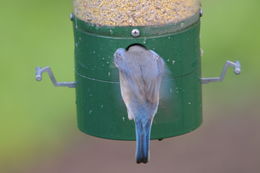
[(143, 131)]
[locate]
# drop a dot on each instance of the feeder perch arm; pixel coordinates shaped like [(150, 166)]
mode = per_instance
[(38, 77), (236, 69)]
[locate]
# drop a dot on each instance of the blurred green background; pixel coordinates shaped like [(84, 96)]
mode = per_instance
[(38, 131)]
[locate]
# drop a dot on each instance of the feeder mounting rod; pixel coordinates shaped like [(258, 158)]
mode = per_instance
[(236, 68), (38, 77)]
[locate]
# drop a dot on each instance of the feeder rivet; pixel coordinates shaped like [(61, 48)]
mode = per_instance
[(71, 16), (201, 12), (135, 33)]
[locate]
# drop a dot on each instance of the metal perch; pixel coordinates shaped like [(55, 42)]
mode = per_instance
[(38, 77), (236, 69)]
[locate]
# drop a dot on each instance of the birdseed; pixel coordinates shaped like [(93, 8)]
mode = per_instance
[(134, 12)]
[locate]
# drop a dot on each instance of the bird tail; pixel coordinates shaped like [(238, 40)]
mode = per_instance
[(143, 132)]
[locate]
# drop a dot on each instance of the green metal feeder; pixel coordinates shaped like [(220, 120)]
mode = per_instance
[(100, 108)]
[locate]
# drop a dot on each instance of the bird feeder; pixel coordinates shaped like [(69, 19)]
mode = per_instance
[(176, 38)]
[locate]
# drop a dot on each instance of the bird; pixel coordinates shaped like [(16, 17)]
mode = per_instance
[(140, 75)]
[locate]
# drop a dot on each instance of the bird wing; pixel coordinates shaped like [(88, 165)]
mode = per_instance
[(152, 77)]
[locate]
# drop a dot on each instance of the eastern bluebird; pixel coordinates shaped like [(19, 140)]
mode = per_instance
[(140, 73)]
